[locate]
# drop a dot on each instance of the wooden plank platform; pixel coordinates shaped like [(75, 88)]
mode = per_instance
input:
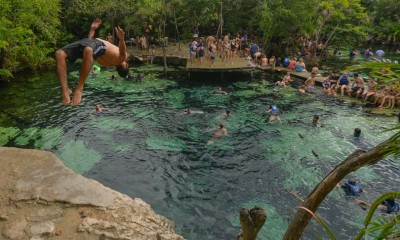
[(301, 75), (239, 65), (242, 65)]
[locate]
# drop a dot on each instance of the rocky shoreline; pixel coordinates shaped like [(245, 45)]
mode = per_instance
[(42, 199)]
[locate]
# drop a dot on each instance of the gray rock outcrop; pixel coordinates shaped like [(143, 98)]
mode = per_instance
[(42, 199)]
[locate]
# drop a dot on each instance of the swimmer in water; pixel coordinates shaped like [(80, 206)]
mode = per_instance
[(388, 206), (99, 109), (219, 90), (274, 114), (315, 120), (351, 187), (226, 114), (221, 131), (186, 112)]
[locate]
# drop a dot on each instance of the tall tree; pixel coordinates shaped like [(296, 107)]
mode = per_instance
[(28, 33)]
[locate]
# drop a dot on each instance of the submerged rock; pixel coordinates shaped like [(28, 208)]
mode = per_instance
[(48, 200)]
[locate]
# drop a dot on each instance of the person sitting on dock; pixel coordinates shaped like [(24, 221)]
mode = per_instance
[(310, 83), (300, 66), (264, 60), (343, 82), (381, 94), (333, 79), (286, 80), (272, 61), (302, 89), (357, 86), (326, 84), (315, 70), (370, 90), (292, 64), (391, 96), (104, 52)]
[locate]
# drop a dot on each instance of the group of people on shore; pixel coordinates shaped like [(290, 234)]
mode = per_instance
[(226, 48), (358, 88)]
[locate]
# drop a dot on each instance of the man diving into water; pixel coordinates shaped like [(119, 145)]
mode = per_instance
[(105, 53)]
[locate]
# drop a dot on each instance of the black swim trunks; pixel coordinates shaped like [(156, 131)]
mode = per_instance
[(75, 50)]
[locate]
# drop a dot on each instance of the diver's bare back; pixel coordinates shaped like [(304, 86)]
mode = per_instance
[(112, 55)]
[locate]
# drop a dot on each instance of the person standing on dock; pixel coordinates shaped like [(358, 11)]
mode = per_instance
[(209, 40), (105, 53), (255, 53), (380, 53), (192, 51), (227, 50), (213, 53)]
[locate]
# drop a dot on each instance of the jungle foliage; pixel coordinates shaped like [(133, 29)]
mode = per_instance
[(30, 31)]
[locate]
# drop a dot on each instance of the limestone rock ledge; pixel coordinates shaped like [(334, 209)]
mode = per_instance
[(42, 199)]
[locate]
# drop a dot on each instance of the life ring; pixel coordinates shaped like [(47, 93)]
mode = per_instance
[(97, 67)]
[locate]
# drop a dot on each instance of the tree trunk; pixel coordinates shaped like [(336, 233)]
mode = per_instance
[(164, 49), (252, 221), (355, 161), (327, 41), (177, 30)]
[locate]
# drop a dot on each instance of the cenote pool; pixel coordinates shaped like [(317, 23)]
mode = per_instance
[(145, 149)]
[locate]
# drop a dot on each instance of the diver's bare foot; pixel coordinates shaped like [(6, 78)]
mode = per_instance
[(77, 97), (67, 97)]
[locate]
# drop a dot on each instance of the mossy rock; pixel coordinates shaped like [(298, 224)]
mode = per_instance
[(6, 134), (384, 111)]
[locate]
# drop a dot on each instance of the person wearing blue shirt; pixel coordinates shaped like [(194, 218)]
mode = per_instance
[(388, 206), (351, 187), (255, 52)]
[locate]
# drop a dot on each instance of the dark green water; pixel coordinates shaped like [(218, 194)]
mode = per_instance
[(145, 149)]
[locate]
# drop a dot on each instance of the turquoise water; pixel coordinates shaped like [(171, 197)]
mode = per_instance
[(144, 148)]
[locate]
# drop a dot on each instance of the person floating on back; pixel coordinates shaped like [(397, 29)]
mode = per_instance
[(104, 52)]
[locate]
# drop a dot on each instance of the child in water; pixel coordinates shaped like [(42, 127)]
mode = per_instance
[(274, 114)]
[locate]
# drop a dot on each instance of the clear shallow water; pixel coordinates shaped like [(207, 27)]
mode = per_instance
[(145, 149)]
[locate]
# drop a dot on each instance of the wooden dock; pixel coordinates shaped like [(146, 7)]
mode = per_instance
[(242, 65), (239, 65)]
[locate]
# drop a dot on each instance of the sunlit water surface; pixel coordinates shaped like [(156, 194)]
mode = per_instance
[(142, 147)]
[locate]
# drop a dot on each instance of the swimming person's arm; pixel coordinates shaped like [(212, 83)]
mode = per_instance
[(95, 25), (121, 45)]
